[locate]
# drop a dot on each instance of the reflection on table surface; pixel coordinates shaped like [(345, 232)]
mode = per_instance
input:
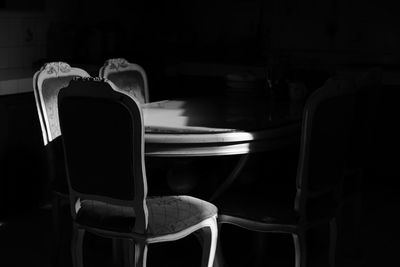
[(219, 114)]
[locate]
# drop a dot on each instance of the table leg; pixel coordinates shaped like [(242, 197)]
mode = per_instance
[(231, 177), (182, 176)]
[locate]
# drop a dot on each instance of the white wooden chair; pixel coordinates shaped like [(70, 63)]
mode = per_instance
[(317, 183), (47, 82), (129, 77), (103, 136)]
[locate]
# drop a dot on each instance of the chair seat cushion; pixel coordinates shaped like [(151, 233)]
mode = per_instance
[(274, 208), (101, 215), (174, 213), (166, 215), (257, 208)]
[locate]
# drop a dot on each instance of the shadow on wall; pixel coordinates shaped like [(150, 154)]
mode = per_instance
[(23, 177)]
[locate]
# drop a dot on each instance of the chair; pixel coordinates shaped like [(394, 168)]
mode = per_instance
[(103, 137), (365, 87), (129, 77), (317, 183), (47, 82)]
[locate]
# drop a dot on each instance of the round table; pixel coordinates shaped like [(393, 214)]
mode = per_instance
[(219, 126)]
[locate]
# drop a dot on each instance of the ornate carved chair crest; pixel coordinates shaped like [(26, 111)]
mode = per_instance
[(47, 82), (128, 77)]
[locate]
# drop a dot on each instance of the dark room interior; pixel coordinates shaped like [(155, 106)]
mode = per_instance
[(192, 49)]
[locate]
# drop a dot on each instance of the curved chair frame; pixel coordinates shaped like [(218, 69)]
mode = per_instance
[(365, 87), (332, 88), (140, 235), (52, 70), (118, 65), (46, 105)]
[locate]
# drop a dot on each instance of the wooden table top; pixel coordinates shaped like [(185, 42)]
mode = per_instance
[(219, 126)]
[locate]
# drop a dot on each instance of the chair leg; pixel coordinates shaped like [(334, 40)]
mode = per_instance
[(210, 237), (299, 240), (205, 237), (259, 249), (127, 254), (219, 258), (117, 253), (56, 236), (231, 178), (129, 249), (77, 246), (138, 252), (358, 201), (332, 242), (357, 205)]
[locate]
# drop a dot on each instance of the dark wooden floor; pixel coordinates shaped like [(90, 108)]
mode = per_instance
[(25, 240)]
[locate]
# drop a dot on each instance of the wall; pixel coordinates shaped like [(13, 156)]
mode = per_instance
[(23, 44), (22, 39), (333, 30), (339, 31)]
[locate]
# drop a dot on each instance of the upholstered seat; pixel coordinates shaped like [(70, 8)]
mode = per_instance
[(100, 214), (169, 214), (256, 208), (267, 209)]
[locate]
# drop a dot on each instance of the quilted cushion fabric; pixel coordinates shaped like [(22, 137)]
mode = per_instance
[(102, 215), (174, 213), (169, 214)]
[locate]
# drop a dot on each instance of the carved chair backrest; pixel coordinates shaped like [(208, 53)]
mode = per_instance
[(47, 82), (129, 77), (326, 117), (104, 155)]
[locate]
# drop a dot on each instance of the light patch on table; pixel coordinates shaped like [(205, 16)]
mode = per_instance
[(165, 117), (164, 104), (160, 120)]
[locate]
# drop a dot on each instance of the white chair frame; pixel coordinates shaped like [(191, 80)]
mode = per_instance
[(116, 65)]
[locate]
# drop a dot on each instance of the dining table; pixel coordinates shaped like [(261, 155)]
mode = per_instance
[(207, 126)]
